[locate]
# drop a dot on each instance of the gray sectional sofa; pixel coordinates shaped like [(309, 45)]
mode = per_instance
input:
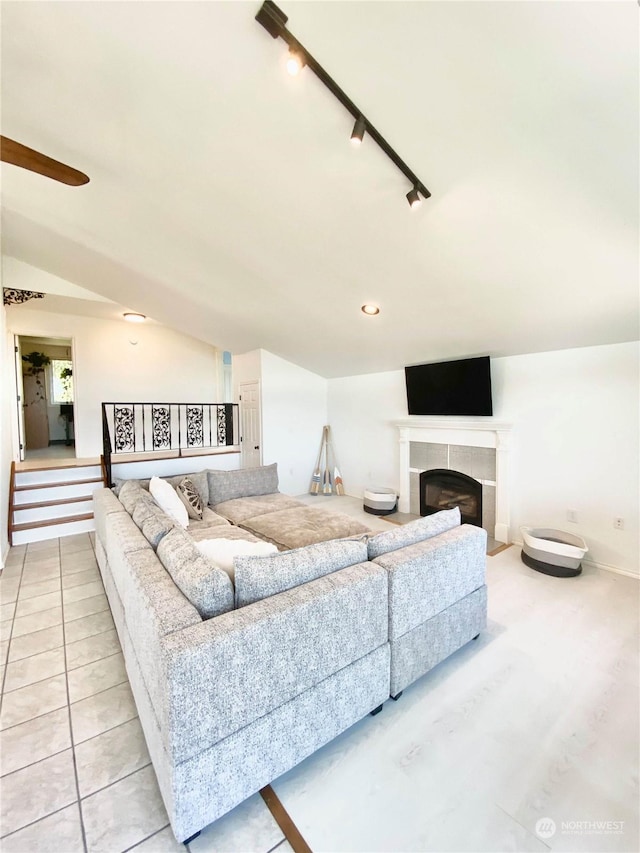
[(238, 681)]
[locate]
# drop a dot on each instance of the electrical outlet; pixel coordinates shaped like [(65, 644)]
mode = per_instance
[(572, 515), (618, 523)]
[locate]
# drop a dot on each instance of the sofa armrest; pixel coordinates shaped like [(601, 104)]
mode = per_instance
[(429, 576), (104, 503), (229, 671)]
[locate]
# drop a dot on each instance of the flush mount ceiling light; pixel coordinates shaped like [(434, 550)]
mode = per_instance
[(274, 21), (371, 310), (131, 317)]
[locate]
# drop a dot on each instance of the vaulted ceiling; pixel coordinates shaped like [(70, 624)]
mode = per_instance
[(226, 201)]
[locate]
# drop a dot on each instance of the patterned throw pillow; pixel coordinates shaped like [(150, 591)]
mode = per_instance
[(190, 498)]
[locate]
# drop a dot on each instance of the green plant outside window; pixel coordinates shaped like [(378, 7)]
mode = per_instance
[(61, 381)]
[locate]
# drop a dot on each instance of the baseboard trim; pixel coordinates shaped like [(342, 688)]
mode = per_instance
[(613, 569), (593, 564)]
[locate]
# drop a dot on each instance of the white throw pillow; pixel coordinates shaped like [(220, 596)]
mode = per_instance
[(167, 498), (222, 551)]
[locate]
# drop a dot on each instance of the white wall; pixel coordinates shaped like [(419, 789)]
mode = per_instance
[(247, 367), (163, 366), (294, 410), (7, 409), (173, 467), (575, 442), (361, 412)]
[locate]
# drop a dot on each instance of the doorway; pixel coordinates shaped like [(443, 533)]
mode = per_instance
[(44, 379), (250, 424)]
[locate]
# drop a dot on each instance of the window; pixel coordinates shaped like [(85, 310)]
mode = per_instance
[(61, 381)]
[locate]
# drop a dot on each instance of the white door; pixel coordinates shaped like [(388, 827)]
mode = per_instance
[(19, 396), (250, 424)]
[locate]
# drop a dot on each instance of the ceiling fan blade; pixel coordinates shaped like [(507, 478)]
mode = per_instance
[(19, 155)]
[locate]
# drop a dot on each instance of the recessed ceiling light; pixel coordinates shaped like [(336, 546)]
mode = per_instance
[(131, 317), (371, 310)]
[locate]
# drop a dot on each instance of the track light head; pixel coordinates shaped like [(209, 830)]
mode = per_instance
[(413, 197), (295, 61), (359, 128)]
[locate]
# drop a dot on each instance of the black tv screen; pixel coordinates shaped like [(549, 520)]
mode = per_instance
[(450, 387)]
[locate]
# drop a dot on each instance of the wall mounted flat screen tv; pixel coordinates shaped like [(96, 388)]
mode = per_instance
[(460, 387)]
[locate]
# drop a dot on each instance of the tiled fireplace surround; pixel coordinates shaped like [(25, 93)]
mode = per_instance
[(476, 448)]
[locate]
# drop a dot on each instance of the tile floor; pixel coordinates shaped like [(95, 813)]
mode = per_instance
[(76, 774), (537, 720)]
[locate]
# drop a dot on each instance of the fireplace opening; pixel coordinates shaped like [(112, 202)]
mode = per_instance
[(443, 489)]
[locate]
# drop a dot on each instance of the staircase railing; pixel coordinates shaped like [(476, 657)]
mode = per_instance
[(181, 429), (105, 459)]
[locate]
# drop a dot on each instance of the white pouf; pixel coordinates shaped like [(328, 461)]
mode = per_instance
[(379, 500)]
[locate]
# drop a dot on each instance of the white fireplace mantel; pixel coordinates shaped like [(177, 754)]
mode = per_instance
[(467, 432)]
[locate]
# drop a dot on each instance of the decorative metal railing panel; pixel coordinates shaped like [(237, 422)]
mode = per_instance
[(158, 427)]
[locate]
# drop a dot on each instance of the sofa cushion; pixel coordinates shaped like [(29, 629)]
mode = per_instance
[(144, 506), (260, 577), (206, 586), (221, 552), (129, 494), (303, 525), (155, 527), (221, 531), (190, 497), (226, 485), (209, 519), (122, 535), (241, 509), (198, 478), (429, 576), (415, 531), (167, 497)]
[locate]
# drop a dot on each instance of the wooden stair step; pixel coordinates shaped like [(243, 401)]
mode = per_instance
[(42, 504), (57, 485), (49, 522), (22, 468)]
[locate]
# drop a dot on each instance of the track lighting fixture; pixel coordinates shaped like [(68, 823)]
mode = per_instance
[(357, 134), (413, 197), (274, 21)]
